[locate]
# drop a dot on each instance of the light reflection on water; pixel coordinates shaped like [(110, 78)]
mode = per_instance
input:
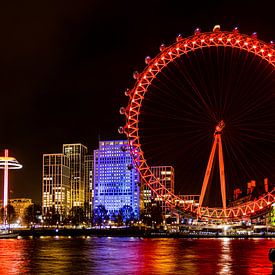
[(135, 256)]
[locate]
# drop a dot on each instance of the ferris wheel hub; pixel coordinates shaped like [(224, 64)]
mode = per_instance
[(219, 128)]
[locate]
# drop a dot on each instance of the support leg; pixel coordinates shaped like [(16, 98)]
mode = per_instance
[(222, 176), (208, 171), (6, 181)]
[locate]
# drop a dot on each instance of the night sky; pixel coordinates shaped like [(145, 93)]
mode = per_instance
[(65, 66)]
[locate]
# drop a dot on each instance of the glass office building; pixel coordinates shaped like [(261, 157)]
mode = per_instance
[(115, 178), (56, 188), (166, 176), (76, 154)]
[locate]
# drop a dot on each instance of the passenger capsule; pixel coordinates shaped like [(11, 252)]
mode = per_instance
[(179, 38), (147, 60), (254, 35), (216, 28), (197, 31), (162, 47), (121, 130), (135, 74), (236, 30), (122, 111), (127, 92)]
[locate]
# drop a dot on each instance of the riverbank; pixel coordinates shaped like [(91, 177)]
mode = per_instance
[(131, 232)]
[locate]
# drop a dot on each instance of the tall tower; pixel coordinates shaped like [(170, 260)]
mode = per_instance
[(76, 154), (7, 163), (115, 178), (56, 189)]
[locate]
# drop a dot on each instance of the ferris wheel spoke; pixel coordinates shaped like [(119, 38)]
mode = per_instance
[(195, 89)]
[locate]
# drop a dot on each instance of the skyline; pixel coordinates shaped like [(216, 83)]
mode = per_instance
[(65, 69)]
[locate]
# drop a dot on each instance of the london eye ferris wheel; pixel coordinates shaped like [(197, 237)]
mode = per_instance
[(205, 105)]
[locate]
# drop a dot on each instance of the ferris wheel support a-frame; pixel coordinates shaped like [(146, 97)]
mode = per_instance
[(217, 142)]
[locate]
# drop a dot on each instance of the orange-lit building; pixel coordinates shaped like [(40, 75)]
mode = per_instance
[(19, 205)]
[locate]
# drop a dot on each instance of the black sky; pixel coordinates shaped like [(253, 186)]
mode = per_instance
[(65, 64)]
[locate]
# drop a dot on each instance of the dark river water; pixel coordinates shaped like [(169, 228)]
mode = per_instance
[(94, 255)]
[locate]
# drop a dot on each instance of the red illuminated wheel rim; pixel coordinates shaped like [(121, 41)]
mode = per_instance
[(183, 46)]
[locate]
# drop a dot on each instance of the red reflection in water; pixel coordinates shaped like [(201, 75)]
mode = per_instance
[(185, 256), (12, 260), (135, 256)]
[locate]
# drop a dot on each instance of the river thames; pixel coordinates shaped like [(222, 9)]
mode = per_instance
[(119, 255)]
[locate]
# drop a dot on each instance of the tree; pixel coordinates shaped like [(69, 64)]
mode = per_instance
[(156, 214), (145, 217), (78, 215), (32, 214), (118, 218), (152, 215), (11, 215), (52, 217), (100, 214), (127, 214), (87, 210)]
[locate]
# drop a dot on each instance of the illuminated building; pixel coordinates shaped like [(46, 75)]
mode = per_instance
[(272, 215), (89, 193), (19, 205), (166, 176), (76, 154), (115, 178), (56, 188), (145, 197)]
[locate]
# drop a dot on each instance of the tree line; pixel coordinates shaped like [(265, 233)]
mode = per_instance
[(79, 216)]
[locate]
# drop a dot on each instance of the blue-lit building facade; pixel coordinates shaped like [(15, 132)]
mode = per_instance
[(115, 178)]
